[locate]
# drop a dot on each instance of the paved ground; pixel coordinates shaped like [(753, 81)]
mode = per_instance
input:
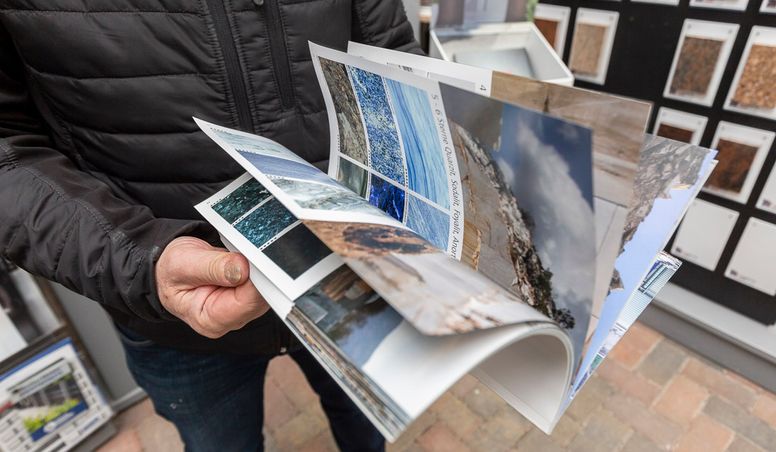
[(651, 395)]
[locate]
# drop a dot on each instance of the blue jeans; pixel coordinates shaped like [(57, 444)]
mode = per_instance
[(216, 401)]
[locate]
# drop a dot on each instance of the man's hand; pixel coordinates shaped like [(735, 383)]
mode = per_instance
[(206, 287)]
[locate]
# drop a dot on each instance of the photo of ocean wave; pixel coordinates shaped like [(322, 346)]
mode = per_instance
[(274, 166), (428, 222), (264, 223), (384, 145), (387, 197), (256, 144), (312, 195), (425, 161), (240, 201)]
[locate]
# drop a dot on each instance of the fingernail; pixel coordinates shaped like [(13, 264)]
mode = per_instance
[(233, 273)]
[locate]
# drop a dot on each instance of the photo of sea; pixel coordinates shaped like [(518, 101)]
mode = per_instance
[(312, 195), (353, 177), (384, 145), (265, 222), (240, 201), (387, 197), (349, 313), (428, 222), (255, 144), (297, 251), (281, 167), (426, 171)]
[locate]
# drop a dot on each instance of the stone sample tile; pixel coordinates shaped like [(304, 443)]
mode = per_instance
[(695, 66), (756, 87), (587, 48)]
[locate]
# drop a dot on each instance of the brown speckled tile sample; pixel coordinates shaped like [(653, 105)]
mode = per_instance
[(735, 162), (674, 132), (549, 29), (588, 46), (695, 66), (757, 87)]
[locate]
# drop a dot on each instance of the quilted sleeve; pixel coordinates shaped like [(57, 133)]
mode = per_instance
[(383, 23)]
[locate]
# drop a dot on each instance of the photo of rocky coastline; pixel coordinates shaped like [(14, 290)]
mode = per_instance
[(240, 201), (265, 222), (352, 138)]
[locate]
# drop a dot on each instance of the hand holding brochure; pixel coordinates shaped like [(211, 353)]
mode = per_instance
[(454, 232)]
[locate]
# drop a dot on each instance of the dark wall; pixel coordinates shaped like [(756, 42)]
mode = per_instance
[(644, 45)]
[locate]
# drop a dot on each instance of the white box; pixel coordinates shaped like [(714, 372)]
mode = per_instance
[(516, 48)]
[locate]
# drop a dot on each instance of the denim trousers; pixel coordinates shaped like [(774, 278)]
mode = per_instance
[(216, 400)]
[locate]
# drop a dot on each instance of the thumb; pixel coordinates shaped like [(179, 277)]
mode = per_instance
[(216, 268)]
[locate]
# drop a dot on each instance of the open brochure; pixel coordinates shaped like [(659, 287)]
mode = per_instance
[(456, 232)]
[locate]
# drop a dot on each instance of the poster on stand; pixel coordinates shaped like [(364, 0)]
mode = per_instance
[(553, 22), (680, 126), (741, 153), (753, 90), (752, 261), (699, 62), (703, 234), (732, 5), (591, 46)]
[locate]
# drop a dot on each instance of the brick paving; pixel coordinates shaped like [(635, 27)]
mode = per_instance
[(652, 394)]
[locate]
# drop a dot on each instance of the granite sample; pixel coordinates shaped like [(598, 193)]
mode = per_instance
[(587, 49), (695, 66), (548, 28), (757, 86), (735, 162), (674, 133)]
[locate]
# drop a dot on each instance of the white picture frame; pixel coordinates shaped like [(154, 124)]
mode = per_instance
[(688, 121), (659, 2), (768, 9), (749, 136), (730, 5), (559, 14), (703, 234), (752, 260), (701, 29), (763, 36), (608, 19), (767, 199)]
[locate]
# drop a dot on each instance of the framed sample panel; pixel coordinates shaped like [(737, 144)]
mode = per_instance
[(680, 126), (768, 6), (767, 201), (659, 2), (752, 261), (591, 46), (553, 22), (701, 55), (703, 233), (753, 90), (741, 153), (733, 5)]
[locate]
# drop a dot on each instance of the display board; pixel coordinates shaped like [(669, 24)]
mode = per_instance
[(707, 66)]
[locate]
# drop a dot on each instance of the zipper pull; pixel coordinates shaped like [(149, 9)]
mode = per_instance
[(258, 3)]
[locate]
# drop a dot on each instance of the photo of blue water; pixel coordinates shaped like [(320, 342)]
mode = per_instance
[(387, 197), (274, 166), (240, 201), (428, 222), (384, 146), (265, 222), (425, 161)]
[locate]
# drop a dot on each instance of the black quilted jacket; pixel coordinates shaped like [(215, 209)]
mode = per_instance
[(100, 161)]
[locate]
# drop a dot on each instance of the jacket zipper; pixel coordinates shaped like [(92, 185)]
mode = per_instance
[(278, 50), (234, 72)]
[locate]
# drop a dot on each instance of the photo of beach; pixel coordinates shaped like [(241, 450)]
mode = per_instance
[(265, 222), (384, 145), (353, 177), (387, 197), (240, 201), (425, 165), (352, 138), (297, 251), (349, 313), (428, 222)]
